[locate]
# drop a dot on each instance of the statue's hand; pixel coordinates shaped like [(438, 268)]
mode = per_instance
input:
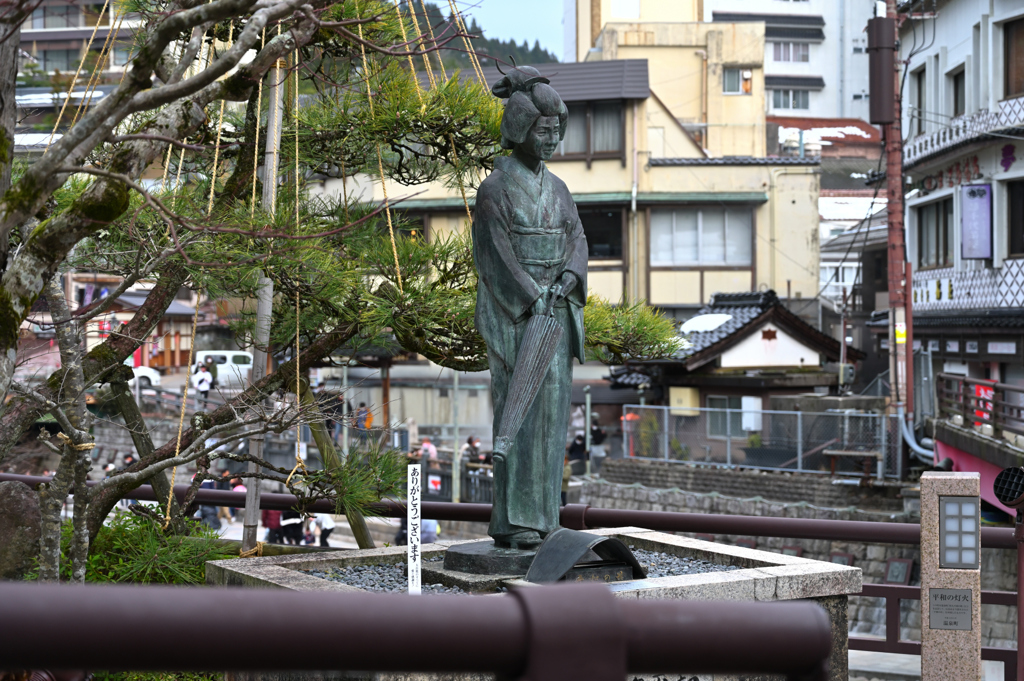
[(567, 283), (540, 306)]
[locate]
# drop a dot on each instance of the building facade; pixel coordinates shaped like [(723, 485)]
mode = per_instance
[(963, 109), (815, 57)]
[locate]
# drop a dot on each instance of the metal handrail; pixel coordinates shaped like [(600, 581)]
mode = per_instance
[(564, 632), (996, 410), (582, 516)]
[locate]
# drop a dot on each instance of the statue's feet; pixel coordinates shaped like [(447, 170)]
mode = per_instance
[(523, 539)]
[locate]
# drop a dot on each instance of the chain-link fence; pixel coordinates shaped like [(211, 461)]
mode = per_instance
[(845, 442)]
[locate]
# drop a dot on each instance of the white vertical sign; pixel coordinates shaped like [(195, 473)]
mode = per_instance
[(413, 517)]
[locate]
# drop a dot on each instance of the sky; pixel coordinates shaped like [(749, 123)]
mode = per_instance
[(519, 20)]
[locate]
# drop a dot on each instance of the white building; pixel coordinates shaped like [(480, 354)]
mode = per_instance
[(815, 59), (964, 155)]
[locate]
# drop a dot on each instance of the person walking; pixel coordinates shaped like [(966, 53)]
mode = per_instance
[(363, 422), (291, 527), (272, 521), (578, 452), (202, 381), (325, 521)]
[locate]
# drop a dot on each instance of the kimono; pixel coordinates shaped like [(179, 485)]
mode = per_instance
[(526, 234)]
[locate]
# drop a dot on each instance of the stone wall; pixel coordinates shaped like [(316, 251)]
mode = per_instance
[(867, 615), (790, 487)]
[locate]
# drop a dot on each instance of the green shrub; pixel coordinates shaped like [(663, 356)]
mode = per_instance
[(134, 549)]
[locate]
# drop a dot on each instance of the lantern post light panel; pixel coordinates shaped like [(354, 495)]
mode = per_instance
[(950, 576)]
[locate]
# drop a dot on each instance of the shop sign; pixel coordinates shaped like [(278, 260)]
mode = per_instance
[(976, 221)]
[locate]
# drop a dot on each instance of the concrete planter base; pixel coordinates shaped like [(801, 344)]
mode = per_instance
[(763, 576)]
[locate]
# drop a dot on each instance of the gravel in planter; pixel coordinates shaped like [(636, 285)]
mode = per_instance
[(381, 578), (660, 564)]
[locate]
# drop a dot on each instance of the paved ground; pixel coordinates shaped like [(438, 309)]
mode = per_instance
[(867, 666)]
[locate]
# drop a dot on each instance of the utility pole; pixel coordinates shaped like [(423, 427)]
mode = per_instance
[(886, 110), (264, 299)]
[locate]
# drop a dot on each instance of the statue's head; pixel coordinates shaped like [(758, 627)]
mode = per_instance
[(535, 116)]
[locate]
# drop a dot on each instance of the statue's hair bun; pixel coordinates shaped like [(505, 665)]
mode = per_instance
[(519, 79)]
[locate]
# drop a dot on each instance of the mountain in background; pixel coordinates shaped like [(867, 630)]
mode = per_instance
[(454, 54)]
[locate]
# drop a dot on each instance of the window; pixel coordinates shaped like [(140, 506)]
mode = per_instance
[(65, 16), (606, 127), (959, 83), (1015, 216), (919, 86), (604, 233), (120, 56), (791, 99), (934, 234), (718, 426), (701, 236), (593, 130), (737, 81), (60, 60), (791, 51), (1013, 41)]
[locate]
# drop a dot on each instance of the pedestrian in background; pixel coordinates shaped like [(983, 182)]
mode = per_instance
[(291, 527), (272, 521), (363, 421), (325, 521)]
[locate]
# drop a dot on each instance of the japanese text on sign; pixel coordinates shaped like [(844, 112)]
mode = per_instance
[(413, 518)]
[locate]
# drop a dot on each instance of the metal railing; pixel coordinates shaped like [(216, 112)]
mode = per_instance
[(844, 442), (568, 632), (995, 409), (1009, 113), (894, 643), (582, 517)]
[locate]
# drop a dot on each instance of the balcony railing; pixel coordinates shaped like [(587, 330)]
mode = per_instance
[(963, 129), (992, 408)]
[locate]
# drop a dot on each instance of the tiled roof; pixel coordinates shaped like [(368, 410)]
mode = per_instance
[(738, 161), (743, 307), (983, 319)]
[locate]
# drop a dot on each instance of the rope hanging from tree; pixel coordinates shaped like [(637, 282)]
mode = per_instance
[(256, 147), (78, 71), (419, 92), (380, 159)]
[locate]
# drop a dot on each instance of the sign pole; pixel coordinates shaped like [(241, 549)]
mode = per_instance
[(413, 517)]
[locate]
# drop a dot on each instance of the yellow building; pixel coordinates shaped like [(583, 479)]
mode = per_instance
[(664, 155)]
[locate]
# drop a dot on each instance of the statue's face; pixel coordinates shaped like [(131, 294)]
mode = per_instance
[(542, 140)]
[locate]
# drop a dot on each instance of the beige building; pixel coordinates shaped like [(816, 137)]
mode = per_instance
[(665, 157)]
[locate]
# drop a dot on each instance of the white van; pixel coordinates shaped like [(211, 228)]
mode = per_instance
[(233, 366)]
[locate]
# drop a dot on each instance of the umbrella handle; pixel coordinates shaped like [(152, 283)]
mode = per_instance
[(555, 295)]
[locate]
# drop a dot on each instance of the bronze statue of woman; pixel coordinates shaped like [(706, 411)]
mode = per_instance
[(531, 258)]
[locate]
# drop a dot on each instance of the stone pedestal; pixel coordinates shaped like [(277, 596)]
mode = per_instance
[(484, 558), (950, 577)]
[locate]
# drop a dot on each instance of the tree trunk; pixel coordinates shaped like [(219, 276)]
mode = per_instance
[(75, 463), (136, 426), (329, 454), (8, 109), (51, 501)]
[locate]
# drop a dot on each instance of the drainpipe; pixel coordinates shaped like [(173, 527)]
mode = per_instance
[(635, 255), (703, 98), (920, 453)]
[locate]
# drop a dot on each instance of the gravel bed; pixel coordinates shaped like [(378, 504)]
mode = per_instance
[(667, 565), (390, 578)]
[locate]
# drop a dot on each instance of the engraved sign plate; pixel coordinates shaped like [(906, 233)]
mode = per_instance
[(949, 609)]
